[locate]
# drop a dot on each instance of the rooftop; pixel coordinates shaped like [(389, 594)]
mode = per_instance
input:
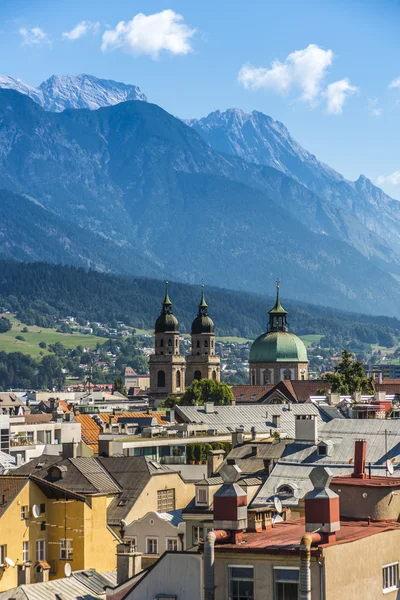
[(284, 538)]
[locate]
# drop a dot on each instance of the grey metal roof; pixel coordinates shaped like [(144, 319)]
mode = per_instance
[(82, 584), (251, 464), (226, 419), (298, 459), (96, 475)]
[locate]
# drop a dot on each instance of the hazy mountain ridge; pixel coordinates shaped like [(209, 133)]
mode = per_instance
[(145, 181), (75, 91), (257, 138)]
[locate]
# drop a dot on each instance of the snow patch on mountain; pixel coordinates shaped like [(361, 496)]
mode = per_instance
[(75, 91)]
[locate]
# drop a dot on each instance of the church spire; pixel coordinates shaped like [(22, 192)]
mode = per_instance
[(203, 307), (277, 314), (167, 304)]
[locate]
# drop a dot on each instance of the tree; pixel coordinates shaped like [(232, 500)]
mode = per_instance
[(5, 324), (119, 386), (207, 390), (349, 376)]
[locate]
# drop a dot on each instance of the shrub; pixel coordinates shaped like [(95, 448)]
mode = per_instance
[(20, 338)]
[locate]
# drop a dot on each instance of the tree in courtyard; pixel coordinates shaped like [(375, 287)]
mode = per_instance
[(207, 390), (119, 386), (348, 377)]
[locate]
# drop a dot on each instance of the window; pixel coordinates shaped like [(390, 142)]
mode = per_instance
[(161, 343), (197, 375), (205, 343), (197, 535), (47, 437), (40, 550), (24, 512), (390, 574), (152, 545), (286, 583), (161, 379), (172, 544), (29, 436), (170, 342), (66, 551), (241, 583), (285, 490), (202, 496), (198, 344), (42, 508), (3, 554), (178, 379), (166, 500), (25, 552), (287, 374), (322, 450)]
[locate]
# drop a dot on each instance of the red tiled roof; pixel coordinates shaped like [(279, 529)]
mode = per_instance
[(64, 406), (375, 481), (250, 393), (284, 538), (10, 486)]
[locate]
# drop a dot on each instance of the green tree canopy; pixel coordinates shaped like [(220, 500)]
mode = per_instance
[(5, 324), (119, 386), (349, 376), (207, 390)]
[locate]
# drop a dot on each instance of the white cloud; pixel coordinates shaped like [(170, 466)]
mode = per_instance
[(150, 34), (393, 179), (373, 107), (34, 37), (394, 84), (80, 30), (336, 95), (303, 69)]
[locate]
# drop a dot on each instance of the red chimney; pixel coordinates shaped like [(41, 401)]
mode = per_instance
[(360, 457), (322, 505)]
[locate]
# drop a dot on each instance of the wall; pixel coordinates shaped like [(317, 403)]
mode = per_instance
[(163, 579), (263, 573), (354, 570), (381, 504), (14, 531), (147, 500), (151, 525), (275, 372)]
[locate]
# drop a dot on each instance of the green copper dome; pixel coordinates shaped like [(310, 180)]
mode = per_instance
[(166, 322), (278, 346)]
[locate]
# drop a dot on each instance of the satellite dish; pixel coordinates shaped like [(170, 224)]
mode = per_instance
[(278, 505), (35, 511), (389, 467), (9, 562), (67, 570)]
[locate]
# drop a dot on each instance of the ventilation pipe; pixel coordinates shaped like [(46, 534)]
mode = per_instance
[(305, 564), (209, 566)]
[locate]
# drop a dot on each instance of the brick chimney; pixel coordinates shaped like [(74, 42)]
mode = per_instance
[(230, 504), (322, 505), (215, 458), (360, 457)]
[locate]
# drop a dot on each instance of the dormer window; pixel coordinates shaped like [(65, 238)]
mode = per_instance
[(285, 490), (322, 450), (201, 495), (325, 448)]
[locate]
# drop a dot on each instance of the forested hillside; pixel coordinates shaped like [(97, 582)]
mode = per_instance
[(39, 291)]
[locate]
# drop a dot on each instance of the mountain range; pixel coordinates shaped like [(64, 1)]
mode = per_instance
[(231, 198), (74, 91)]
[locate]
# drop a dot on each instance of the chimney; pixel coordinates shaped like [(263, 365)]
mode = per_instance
[(254, 450), (253, 433), (170, 416), (209, 408), (215, 458), (70, 449), (360, 457), (357, 397), (230, 504), (333, 399), (322, 505), (238, 437), (306, 428), (129, 563), (380, 377), (76, 409), (380, 396), (276, 420)]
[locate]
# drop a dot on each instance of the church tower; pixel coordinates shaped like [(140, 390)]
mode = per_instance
[(202, 363), (167, 365), (277, 354)]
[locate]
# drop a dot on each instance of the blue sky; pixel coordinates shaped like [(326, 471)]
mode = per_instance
[(322, 68)]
